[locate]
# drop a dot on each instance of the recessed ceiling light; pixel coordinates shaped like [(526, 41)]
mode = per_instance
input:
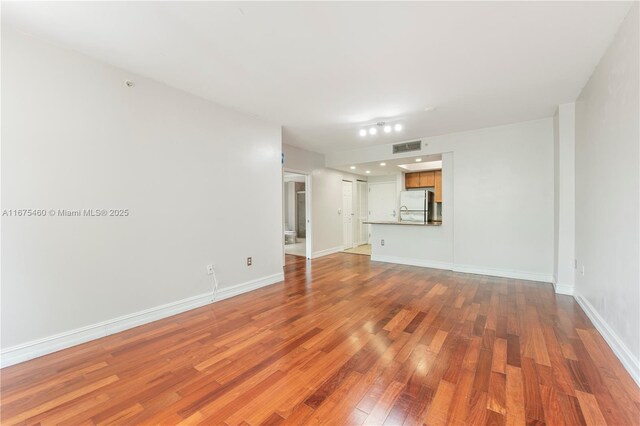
[(387, 129), (383, 164), (373, 131), (352, 167), (368, 171), (363, 132), (418, 160), (397, 127), (430, 108)]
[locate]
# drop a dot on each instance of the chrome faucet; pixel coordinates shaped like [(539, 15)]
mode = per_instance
[(406, 209)]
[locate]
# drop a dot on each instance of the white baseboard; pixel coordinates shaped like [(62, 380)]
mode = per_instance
[(47, 345), (628, 360), (320, 253), (565, 289), (236, 290), (412, 261), (504, 273)]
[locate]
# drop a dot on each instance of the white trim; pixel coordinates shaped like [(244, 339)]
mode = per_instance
[(235, 290), (505, 273), (49, 344), (326, 252), (412, 261), (563, 288), (626, 357)]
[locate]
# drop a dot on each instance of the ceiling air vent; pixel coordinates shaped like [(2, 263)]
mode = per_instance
[(399, 148)]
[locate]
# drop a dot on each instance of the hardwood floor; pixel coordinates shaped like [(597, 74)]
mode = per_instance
[(342, 341)]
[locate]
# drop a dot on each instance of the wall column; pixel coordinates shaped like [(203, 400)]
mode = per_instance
[(564, 208)]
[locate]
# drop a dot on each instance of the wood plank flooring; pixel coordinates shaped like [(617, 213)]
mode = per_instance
[(342, 341)]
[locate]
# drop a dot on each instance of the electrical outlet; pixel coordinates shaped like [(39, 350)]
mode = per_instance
[(382, 242), (209, 269), (249, 261)]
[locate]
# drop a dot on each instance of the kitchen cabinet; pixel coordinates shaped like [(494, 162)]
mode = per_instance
[(427, 179), (412, 180), (438, 186), (430, 179)]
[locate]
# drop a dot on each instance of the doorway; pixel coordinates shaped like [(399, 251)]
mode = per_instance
[(296, 218), (355, 214), (377, 201)]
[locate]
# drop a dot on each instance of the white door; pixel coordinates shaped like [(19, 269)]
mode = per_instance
[(347, 214), (383, 201), (363, 210)]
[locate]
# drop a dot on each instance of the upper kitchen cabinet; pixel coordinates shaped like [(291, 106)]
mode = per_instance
[(412, 180), (427, 179), (430, 179), (438, 186)]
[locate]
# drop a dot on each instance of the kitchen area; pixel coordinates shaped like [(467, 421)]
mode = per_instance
[(421, 199), (412, 225)]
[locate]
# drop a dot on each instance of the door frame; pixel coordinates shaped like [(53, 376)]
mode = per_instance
[(307, 206)]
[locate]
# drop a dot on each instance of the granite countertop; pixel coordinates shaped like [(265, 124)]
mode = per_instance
[(389, 222)]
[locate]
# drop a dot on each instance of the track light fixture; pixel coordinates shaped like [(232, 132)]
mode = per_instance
[(384, 127)]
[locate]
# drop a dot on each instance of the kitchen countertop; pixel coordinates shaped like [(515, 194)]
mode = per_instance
[(389, 222)]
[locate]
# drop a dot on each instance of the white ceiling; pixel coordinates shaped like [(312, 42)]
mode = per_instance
[(392, 166), (324, 69)]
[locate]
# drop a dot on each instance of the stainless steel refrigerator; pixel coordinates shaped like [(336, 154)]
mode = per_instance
[(415, 206)]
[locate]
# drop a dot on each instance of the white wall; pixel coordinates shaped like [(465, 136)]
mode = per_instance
[(607, 195), (326, 197), (564, 203), (503, 195), (301, 160), (74, 137)]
